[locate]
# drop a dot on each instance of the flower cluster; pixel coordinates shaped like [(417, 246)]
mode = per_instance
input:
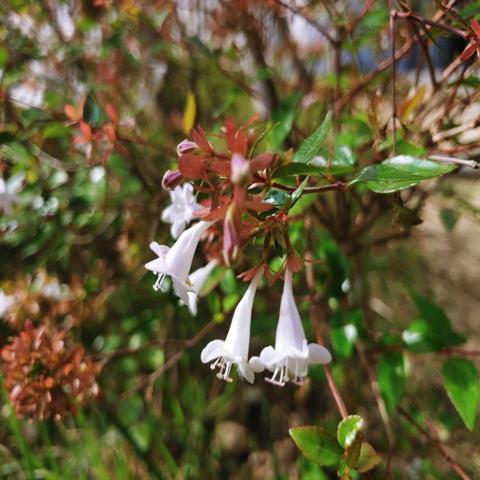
[(225, 192), (43, 377)]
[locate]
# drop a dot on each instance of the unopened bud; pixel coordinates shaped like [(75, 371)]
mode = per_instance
[(186, 146), (171, 179), (240, 169), (230, 236)]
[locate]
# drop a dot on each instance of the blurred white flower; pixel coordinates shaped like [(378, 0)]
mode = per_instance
[(9, 192), (234, 350), (180, 212), (198, 279), (176, 261), (53, 290), (291, 355), (64, 20), (6, 302)]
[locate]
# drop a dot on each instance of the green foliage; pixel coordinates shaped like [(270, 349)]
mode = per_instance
[(391, 375), (400, 172), (462, 383), (432, 331), (311, 146), (349, 453), (348, 429), (317, 444)]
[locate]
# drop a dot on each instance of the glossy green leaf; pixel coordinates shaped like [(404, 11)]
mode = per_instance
[(279, 198), (348, 429), (400, 172), (461, 381), (317, 444), (391, 376), (368, 458), (311, 145)]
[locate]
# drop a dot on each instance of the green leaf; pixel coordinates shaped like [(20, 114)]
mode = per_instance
[(3, 57), (317, 444), (91, 112), (343, 339), (400, 172), (342, 163), (352, 452), (368, 458), (279, 198), (461, 381), (347, 430), (298, 192), (56, 130), (311, 145), (391, 375), (449, 218), (432, 331)]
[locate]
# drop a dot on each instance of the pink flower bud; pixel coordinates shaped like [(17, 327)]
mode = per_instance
[(240, 169), (171, 179), (186, 146), (230, 236)]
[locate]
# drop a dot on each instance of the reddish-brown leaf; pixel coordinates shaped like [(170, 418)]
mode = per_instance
[(192, 167)]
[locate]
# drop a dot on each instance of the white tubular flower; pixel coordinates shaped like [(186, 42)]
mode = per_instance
[(291, 357), (176, 261), (198, 279), (234, 350), (180, 212), (8, 192), (6, 303)]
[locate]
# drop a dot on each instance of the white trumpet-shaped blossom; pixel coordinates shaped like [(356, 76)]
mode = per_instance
[(222, 354), (9, 190), (180, 213), (176, 261), (198, 279), (291, 356)]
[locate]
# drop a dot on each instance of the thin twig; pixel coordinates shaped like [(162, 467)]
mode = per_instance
[(457, 161), (437, 445), (316, 319), (394, 76)]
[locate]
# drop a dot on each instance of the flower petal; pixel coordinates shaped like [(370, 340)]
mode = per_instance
[(160, 250), (213, 350), (246, 371), (318, 354)]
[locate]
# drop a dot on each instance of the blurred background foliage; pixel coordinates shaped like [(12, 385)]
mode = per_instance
[(95, 96)]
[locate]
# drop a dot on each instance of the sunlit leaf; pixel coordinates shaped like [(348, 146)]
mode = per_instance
[(348, 429), (311, 145), (317, 444)]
